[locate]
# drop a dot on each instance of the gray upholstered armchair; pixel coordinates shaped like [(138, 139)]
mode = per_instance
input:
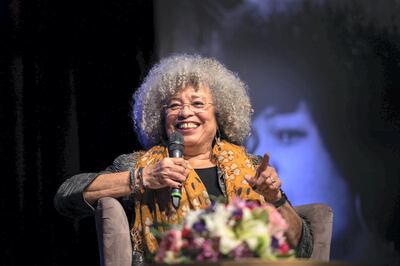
[(114, 238)]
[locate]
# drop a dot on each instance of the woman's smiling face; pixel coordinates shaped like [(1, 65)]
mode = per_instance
[(191, 112)]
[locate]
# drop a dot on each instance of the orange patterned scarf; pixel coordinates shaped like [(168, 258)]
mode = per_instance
[(155, 207)]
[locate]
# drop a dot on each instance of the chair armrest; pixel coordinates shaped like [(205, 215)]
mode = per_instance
[(320, 217), (113, 234)]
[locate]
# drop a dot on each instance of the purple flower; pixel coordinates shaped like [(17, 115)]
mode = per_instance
[(252, 204), (237, 214), (211, 208), (199, 226), (207, 252), (275, 243), (240, 252)]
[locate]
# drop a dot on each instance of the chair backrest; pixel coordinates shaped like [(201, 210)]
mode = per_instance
[(320, 217), (113, 234), (115, 246)]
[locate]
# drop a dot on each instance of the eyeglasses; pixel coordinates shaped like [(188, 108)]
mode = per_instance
[(196, 107)]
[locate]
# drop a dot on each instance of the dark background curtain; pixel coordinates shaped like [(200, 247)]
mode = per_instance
[(68, 70)]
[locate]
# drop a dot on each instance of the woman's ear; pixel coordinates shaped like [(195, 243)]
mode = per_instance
[(163, 135)]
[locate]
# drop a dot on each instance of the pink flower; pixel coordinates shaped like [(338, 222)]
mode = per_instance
[(252, 204), (284, 248), (172, 241), (207, 251), (186, 232), (241, 251), (276, 221)]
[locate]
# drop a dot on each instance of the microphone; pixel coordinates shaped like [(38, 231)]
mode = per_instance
[(175, 150)]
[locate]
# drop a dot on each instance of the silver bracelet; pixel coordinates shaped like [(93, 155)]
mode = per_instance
[(140, 176), (132, 179)]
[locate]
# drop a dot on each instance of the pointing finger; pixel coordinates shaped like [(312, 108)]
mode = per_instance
[(264, 163)]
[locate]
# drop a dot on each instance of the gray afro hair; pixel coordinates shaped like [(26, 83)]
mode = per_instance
[(232, 103)]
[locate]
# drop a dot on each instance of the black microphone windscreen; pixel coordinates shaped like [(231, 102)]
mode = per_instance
[(175, 143)]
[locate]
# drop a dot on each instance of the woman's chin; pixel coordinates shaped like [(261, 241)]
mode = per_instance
[(190, 141), (187, 131)]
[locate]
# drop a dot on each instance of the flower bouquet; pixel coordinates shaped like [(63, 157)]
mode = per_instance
[(238, 230)]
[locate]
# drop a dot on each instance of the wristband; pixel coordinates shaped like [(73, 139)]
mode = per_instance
[(136, 184), (281, 201), (140, 176), (132, 179)]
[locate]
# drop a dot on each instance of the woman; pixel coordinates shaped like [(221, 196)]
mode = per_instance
[(199, 98)]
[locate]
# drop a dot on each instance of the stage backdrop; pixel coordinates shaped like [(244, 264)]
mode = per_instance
[(68, 69), (322, 77)]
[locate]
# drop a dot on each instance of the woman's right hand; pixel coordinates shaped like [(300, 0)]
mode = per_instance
[(169, 172)]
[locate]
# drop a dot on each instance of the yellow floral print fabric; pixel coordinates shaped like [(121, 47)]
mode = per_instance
[(154, 207)]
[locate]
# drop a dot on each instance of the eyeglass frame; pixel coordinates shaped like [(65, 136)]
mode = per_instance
[(190, 105)]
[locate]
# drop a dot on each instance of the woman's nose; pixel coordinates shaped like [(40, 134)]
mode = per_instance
[(186, 111)]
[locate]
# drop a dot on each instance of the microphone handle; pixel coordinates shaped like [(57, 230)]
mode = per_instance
[(176, 196), (176, 193), (176, 154)]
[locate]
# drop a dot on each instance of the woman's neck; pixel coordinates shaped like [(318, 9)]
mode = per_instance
[(199, 160)]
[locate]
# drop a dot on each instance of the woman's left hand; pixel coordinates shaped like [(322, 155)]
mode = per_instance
[(266, 182)]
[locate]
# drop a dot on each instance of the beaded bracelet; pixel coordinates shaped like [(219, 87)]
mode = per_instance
[(139, 184), (281, 201), (140, 176), (132, 179)]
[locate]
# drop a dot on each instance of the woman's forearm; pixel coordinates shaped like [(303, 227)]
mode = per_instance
[(293, 233), (108, 185)]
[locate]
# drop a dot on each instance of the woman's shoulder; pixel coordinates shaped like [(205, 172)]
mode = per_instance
[(255, 159), (129, 157), (125, 161)]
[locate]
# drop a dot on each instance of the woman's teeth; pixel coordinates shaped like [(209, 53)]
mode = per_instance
[(186, 125)]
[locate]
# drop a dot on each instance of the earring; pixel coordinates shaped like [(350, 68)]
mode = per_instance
[(216, 141), (217, 136)]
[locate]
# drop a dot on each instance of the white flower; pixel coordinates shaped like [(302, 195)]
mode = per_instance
[(170, 257), (192, 217), (228, 242), (216, 222), (252, 243), (199, 241)]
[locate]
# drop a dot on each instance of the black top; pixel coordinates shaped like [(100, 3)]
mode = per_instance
[(209, 176)]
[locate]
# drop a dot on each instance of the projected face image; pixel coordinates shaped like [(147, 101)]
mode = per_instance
[(304, 165)]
